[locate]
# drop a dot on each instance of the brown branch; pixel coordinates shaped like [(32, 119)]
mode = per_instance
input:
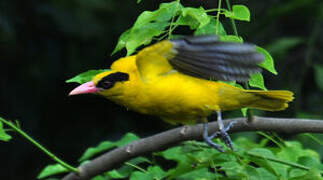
[(171, 137)]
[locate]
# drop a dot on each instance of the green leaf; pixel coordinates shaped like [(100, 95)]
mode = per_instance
[(175, 153), (312, 174), (99, 178), (199, 174), (264, 163), (294, 150), (184, 162), (233, 169), (115, 174), (296, 173), (310, 161), (127, 168), (252, 173), (318, 73), (209, 28), (144, 35), (152, 173), (231, 38), (197, 14), (246, 143), (187, 21), (122, 41), (239, 12), (106, 145), (3, 135), (52, 170), (86, 76), (148, 25), (139, 1), (268, 63), (156, 172), (266, 175), (137, 175), (257, 80), (244, 111)]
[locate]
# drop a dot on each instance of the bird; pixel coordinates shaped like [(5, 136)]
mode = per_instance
[(184, 81)]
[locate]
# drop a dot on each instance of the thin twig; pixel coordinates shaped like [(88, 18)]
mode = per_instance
[(172, 137), (39, 146)]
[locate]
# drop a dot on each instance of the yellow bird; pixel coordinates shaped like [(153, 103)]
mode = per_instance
[(175, 80)]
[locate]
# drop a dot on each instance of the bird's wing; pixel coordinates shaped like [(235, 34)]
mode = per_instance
[(200, 56)]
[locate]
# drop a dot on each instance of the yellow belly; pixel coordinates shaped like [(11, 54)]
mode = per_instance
[(174, 97)]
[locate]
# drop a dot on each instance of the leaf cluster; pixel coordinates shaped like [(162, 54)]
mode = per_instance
[(161, 23), (195, 161)]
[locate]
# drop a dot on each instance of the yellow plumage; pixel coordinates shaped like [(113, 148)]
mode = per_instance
[(155, 87), (171, 79)]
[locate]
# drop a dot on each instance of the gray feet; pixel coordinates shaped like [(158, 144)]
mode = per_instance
[(222, 133)]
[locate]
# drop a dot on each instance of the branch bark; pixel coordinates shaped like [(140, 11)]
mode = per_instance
[(171, 137)]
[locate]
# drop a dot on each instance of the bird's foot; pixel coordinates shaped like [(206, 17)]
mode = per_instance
[(208, 139), (221, 133), (225, 136)]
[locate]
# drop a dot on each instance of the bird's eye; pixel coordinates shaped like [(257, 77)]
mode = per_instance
[(108, 81), (105, 84)]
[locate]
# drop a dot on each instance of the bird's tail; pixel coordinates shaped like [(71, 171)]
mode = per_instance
[(274, 100)]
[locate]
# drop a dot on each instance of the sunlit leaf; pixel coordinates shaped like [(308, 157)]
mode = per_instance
[(3, 135), (144, 35), (268, 63), (252, 173), (52, 170), (187, 21), (309, 161), (231, 38), (122, 41), (264, 163), (244, 111), (198, 14), (211, 28), (152, 173), (266, 175), (239, 12), (257, 80), (98, 178), (86, 76), (128, 167), (312, 174), (148, 25), (233, 169)]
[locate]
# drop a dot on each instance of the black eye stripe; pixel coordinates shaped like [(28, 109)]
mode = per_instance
[(109, 80)]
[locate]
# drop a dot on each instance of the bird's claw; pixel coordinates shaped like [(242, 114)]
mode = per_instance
[(209, 141), (225, 136), (221, 133)]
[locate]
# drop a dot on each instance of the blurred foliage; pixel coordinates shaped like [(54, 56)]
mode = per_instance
[(43, 43)]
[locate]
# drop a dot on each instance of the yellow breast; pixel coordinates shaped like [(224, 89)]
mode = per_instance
[(173, 96)]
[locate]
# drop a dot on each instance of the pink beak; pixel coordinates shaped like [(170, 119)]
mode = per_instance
[(85, 88)]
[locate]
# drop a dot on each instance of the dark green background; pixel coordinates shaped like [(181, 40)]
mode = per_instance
[(43, 43)]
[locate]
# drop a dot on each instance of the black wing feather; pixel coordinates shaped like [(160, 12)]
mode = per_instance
[(209, 58)]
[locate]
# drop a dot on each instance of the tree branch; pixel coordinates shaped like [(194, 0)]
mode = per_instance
[(172, 137)]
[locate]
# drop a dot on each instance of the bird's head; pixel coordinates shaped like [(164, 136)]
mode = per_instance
[(108, 83)]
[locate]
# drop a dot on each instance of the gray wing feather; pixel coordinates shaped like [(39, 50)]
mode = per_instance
[(209, 58)]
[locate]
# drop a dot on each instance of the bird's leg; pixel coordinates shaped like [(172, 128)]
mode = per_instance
[(208, 139), (223, 131)]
